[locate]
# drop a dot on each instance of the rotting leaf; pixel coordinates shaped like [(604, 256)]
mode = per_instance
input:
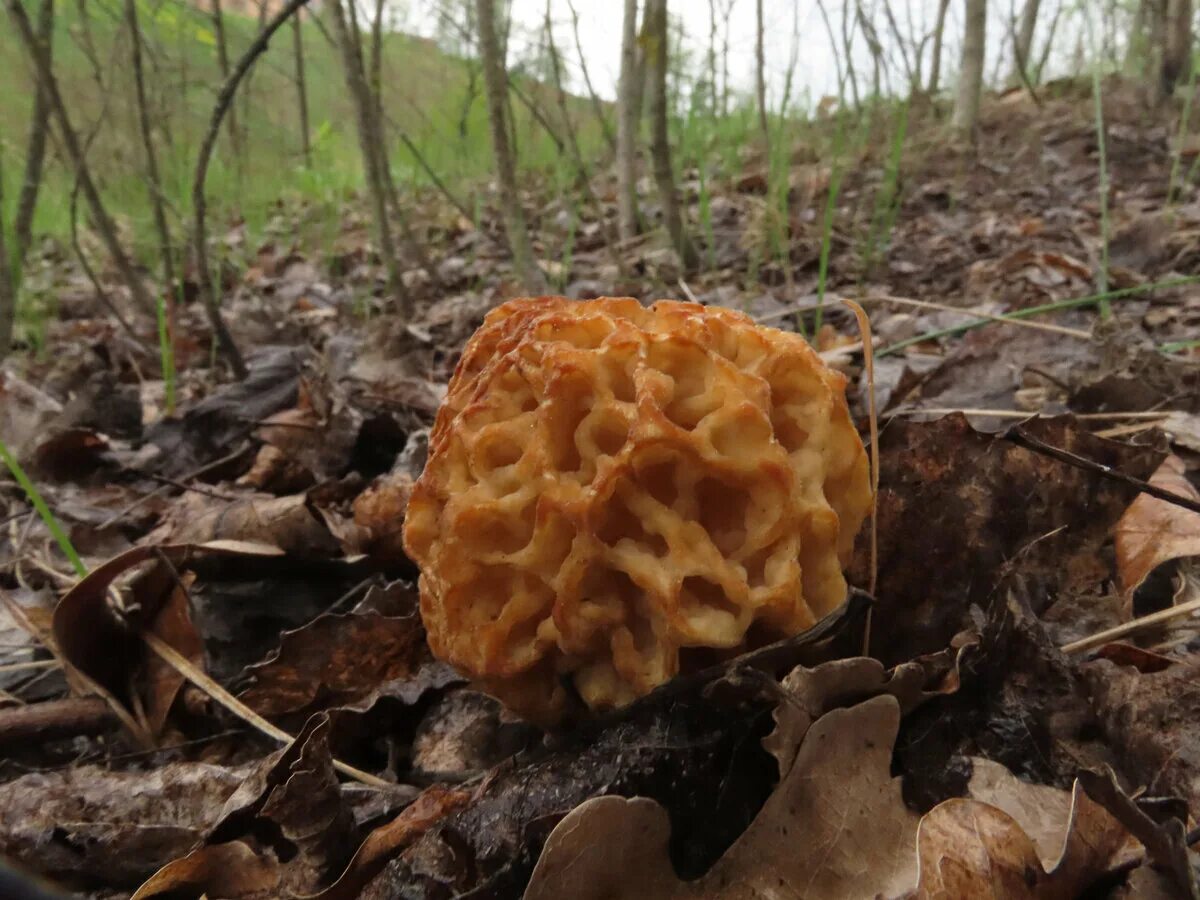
[(89, 823), (948, 505), (835, 826), (1154, 532), (232, 871), (347, 660), (387, 841), (289, 814)]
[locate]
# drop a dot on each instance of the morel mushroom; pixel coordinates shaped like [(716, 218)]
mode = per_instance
[(609, 485)]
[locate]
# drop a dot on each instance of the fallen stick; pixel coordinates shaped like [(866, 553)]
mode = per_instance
[(1023, 439), (1109, 634), (55, 719)]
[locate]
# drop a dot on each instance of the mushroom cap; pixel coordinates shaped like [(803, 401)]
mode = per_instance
[(612, 487)]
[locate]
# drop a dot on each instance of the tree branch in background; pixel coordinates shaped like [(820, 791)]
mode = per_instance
[(301, 89), (218, 22), (629, 102), (208, 289), (760, 78), (433, 177), (581, 172), (100, 217), (660, 145), (101, 294), (363, 114), (380, 143), (8, 282), (597, 106), (1022, 40), (914, 82), (495, 80), (939, 34), (166, 314), (35, 148), (1021, 64)]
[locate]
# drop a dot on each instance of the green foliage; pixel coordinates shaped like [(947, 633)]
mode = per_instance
[(39, 504), (425, 91)]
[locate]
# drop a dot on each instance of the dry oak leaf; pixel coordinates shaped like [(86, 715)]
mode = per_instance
[(1153, 532), (836, 826), (1020, 845), (231, 871)]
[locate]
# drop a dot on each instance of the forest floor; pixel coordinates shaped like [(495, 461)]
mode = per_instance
[(248, 544)]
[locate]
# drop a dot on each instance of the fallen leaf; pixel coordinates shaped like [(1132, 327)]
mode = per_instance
[(387, 841), (231, 871), (1154, 532), (347, 660), (91, 824), (288, 523), (969, 848), (101, 641), (836, 826), (946, 507)]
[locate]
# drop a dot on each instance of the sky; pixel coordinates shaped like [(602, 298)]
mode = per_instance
[(815, 75)]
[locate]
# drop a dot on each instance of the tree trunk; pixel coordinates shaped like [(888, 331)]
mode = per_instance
[(166, 318), (629, 102), (301, 89), (100, 217), (939, 31), (360, 96), (495, 80), (8, 287), (1023, 42), (35, 149), (218, 20), (660, 145), (970, 75), (760, 78), (1177, 46)]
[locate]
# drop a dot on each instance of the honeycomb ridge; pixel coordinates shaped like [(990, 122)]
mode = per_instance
[(611, 485)]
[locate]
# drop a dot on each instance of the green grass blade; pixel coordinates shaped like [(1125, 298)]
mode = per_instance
[(31, 491), (1102, 150), (166, 350)]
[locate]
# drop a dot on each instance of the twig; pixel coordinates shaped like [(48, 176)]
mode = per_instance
[(54, 719), (1029, 413), (76, 677), (1117, 631), (30, 664), (145, 498), (201, 680), (1023, 439), (944, 307), (184, 667), (209, 288)]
